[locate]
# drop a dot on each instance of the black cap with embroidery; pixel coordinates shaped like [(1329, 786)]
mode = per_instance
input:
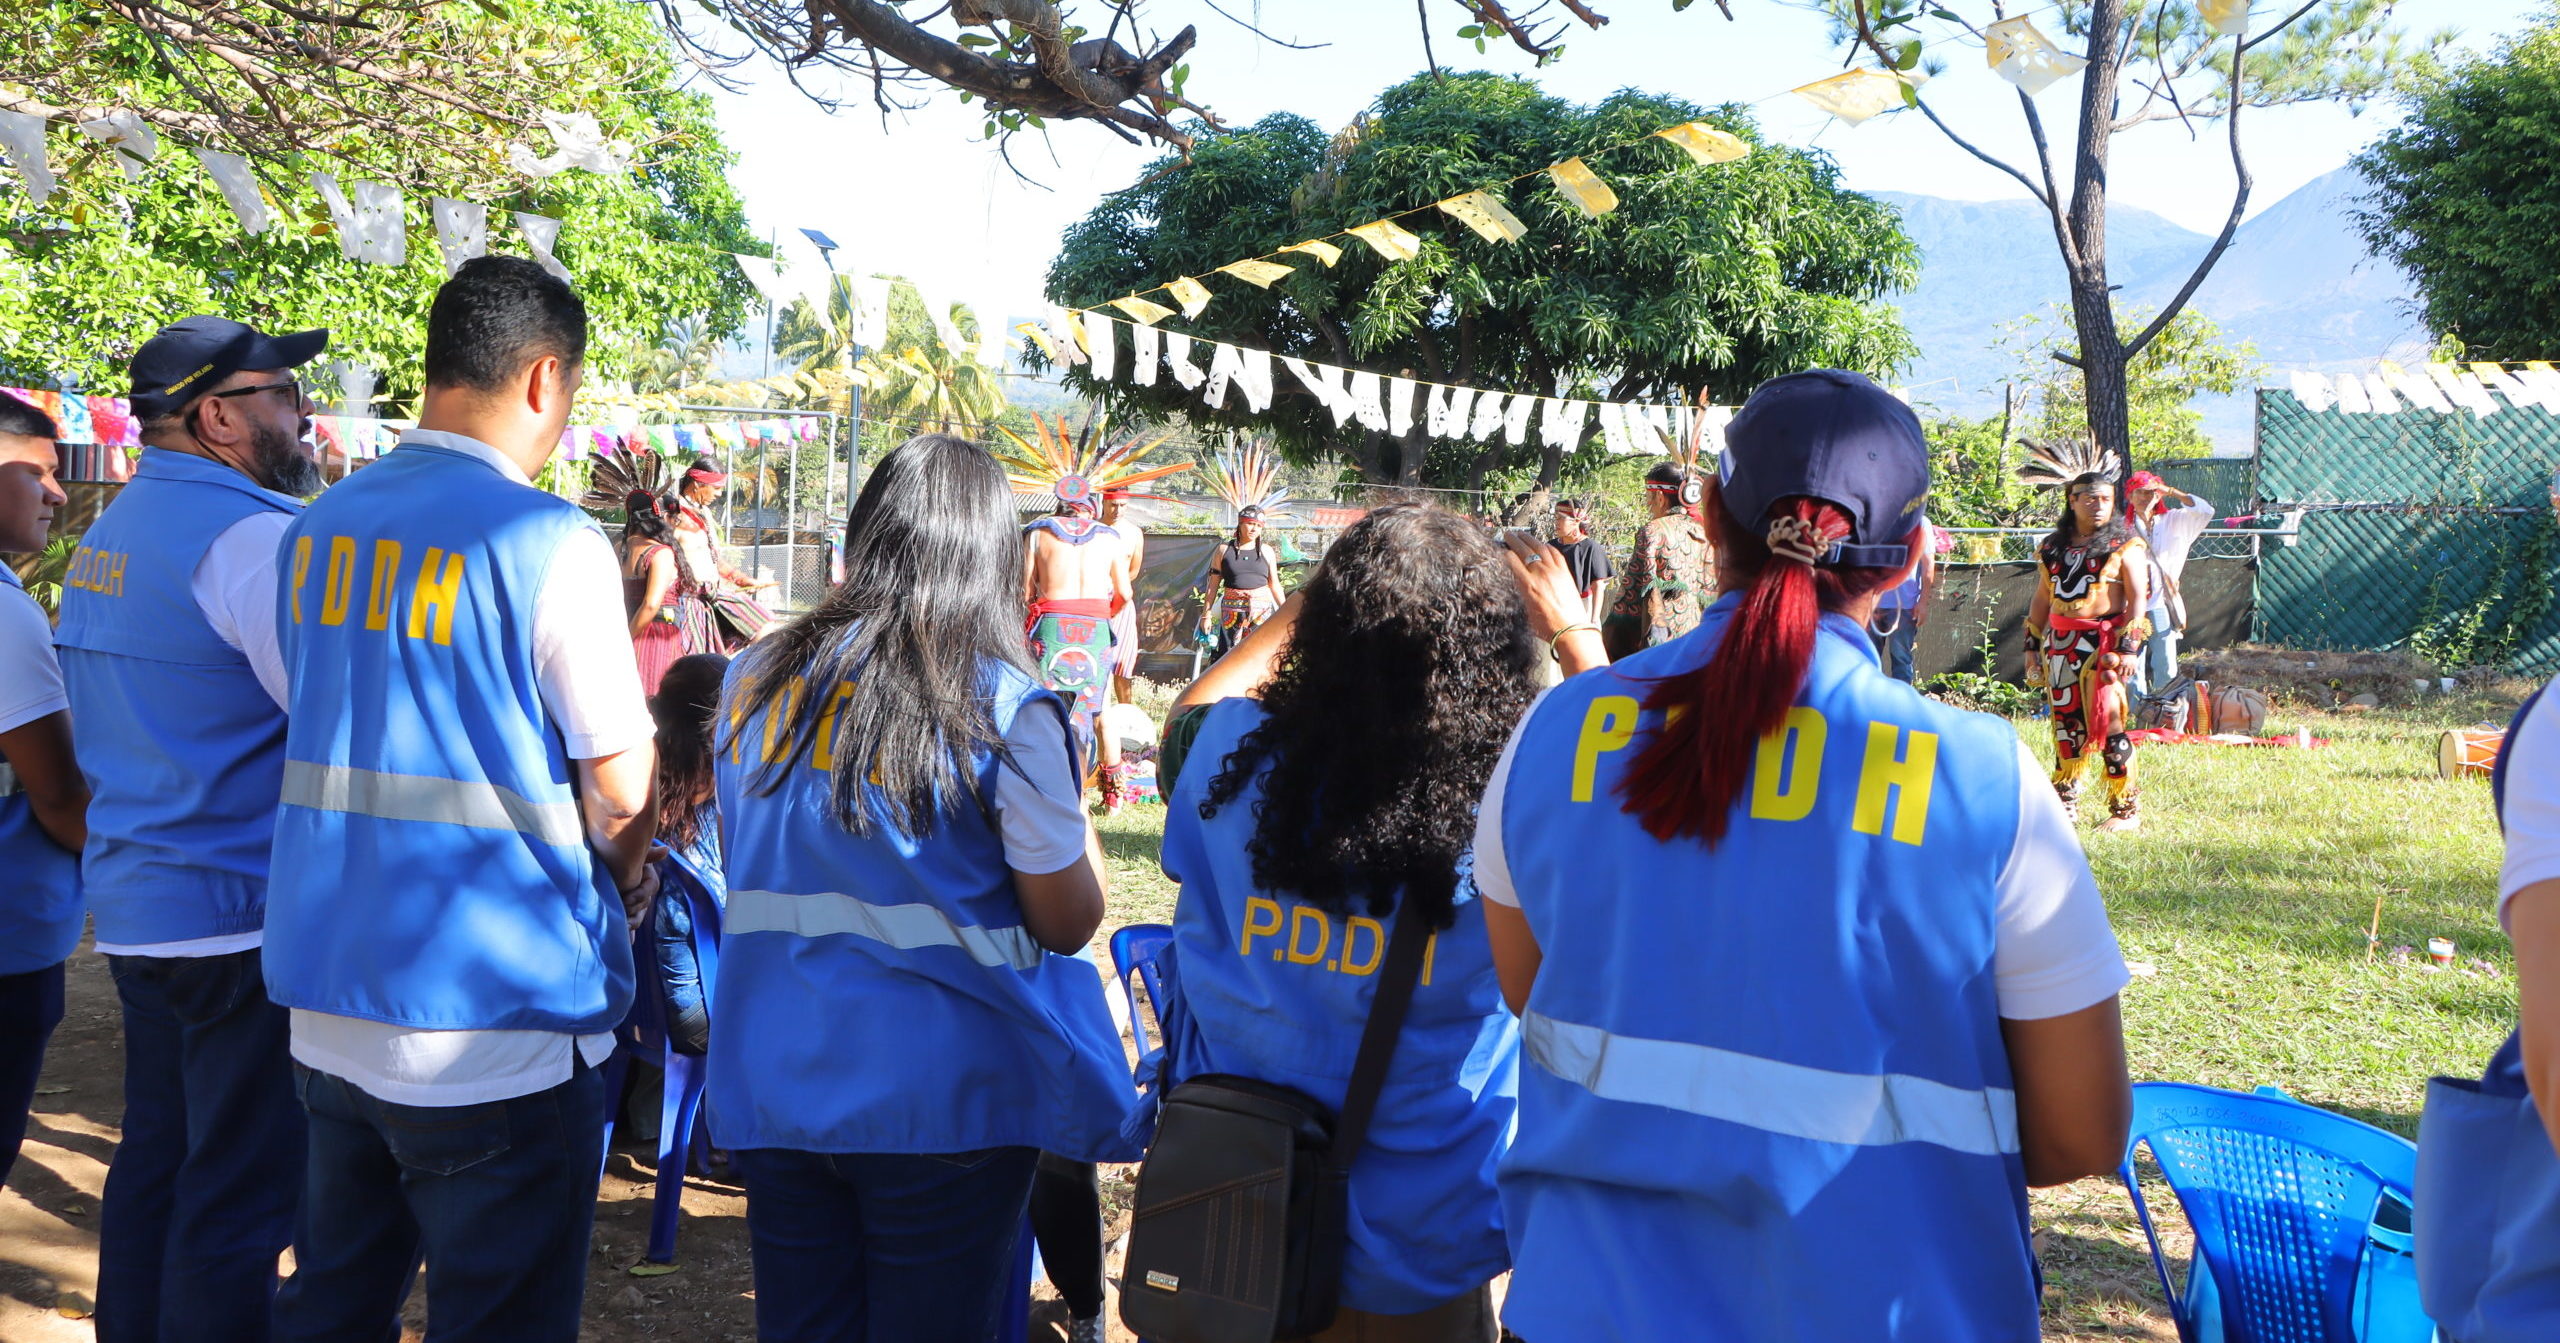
[(192, 354), (1835, 436)]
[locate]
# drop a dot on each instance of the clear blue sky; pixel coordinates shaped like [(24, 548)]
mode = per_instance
[(922, 197)]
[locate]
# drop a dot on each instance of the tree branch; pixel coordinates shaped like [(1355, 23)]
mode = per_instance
[(2230, 226)]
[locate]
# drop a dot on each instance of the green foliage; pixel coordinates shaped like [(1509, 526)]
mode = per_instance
[(1970, 476), (2189, 359), (2489, 628), (1719, 276), (1982, 689), (2463, 197), (44, 579), (94, 272)]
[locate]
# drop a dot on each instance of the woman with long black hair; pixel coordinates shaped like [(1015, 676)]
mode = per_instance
[(669, 617), (900, 1027), (1332, 766), (1804, 961)]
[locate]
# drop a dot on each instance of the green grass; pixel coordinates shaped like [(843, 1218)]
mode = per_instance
[(2249, 889)]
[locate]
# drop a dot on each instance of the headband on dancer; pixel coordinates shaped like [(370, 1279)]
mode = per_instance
[(705, 476)]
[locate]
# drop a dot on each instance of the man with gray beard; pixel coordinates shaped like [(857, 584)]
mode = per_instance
[(177, 690)]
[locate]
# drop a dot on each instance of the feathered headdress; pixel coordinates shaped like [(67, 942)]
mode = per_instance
[(1245, 477), (2064, 460), (1053, 464), (619, 475)]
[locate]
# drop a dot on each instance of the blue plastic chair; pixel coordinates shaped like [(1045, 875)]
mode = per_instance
[(2301, 1218), (681, 1141), (1137, 949)]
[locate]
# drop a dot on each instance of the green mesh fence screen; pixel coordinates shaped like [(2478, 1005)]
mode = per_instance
[(2424, 530)]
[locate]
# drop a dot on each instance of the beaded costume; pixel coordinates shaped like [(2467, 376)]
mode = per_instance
[(2090, 585)]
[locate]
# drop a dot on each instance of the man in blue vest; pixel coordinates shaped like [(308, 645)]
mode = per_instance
[(464, 836), (177, 706)]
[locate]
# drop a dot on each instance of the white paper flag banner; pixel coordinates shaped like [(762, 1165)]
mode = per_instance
[(2420, 390), (1177, 356), (1614, 437), (1148, 314), (578, 143), (1705, 143), (1515, 418), (1487, 215), (995, 346), (1487, 420), (350, 231), (2023, 55), (2377, 394), (1099, 344), (134, 143), (1047, 345), (1562, 425), (1322, 251), (1366, 404), (2505, 384), (1248, 371), (1259, 274), (2351, 398), (239, 188), (1855, 95), (2311, 390), (870, 294), (1583, 187), (1649, 427), (1067, 335), (2543, 382), (1445, 416), (462, 232), (937, 310), (1142, 354), (22, 134), (1388, 240), (763, 272), (2227, 18), (1400, 397), (379, 219), (541, 234), (2461, 389), (1190, 293), (1324, 381)]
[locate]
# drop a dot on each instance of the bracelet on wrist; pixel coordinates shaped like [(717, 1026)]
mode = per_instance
[(1557, 638)]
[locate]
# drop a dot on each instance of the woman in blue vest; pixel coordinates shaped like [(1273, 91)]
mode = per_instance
[(686, 708), (900, 1026), (1813, 978), (1326, 793)]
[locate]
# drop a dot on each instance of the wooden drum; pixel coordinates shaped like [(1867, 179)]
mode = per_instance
[(2467, 751)]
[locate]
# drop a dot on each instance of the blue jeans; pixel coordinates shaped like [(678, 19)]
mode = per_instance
[(30, 1007), (874, 1248), (1895, 636), (201, 1193), (2160, 656), (500, 1197)]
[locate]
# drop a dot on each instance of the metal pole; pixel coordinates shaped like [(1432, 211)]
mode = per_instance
[(791, 533)]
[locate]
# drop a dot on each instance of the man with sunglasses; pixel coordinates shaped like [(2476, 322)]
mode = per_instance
[(177, 690)]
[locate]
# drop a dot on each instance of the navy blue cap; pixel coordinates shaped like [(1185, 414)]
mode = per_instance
[(1835, 436), (192, 354)]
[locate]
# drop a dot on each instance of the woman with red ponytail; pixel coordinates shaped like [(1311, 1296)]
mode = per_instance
[(1802, 958)]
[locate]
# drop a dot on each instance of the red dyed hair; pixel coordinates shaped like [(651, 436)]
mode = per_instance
[(1693, 767)]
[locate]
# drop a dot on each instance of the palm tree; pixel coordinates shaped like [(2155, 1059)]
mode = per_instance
[(914, 378)]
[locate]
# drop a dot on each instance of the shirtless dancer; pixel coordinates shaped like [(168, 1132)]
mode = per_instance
[(1075, 577), (1124, 623)]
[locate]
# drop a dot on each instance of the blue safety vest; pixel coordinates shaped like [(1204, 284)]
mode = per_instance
[(1277, 989), (431, 865), (1765, 1094), (879, 993), (40, 908), (181, 746)]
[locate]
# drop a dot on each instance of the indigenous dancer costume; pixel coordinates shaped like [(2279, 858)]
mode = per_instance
[(1669, 576), (2092, 629), (1247, 573)]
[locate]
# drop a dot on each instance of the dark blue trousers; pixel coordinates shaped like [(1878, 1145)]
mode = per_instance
[(202, 1190), (1896, 638), (30, 1007), (873, 1248), (500, 1197)]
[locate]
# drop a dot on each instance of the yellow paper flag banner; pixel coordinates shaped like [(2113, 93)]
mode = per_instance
[(2227, 18), (1322, 251), (1040, 338), (1190, 293), (1147, 313), (1855, 95), (1259, 274), (2024, 56), (1705, 143), (1390, 241), (1487, 215), (1583, 187)]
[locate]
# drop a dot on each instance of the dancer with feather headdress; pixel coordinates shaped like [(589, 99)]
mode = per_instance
[(1669, 576), (663, 593), (2086, 627), (1244, 572), (1078, 571)]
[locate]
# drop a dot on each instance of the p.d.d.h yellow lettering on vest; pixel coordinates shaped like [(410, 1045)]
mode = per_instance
[(98, 571), (1786, 771), (1265, 917), (434, 593)]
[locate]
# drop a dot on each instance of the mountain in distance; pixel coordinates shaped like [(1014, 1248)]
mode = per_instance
[(2296, 282)]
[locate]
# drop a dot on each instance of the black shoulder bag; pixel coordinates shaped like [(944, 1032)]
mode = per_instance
[(1242, 1205)]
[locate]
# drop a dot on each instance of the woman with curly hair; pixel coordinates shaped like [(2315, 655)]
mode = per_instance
[(1337, 757)]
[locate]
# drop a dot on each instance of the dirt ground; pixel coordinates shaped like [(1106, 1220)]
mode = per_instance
[(2100, 1284)]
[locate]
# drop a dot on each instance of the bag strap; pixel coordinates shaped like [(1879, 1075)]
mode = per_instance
[(1378, 1037)]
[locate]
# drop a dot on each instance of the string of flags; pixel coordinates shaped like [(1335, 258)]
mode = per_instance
[(2442, 388), (1380, 402)]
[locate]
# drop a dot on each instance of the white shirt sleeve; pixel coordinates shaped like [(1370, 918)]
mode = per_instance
[(1040, 808), (2178, 530), (1492, 866), (2052, 951), (235, 586), (30, 678), (582, 658), (2531, 815)]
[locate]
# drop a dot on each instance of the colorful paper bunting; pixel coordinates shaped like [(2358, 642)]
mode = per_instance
[(462, 230), (239, 187), (1486, 214), (1388, 240), (1148, 314), (2021, 54), (2227, 18), (1177, 357), (1259, 274), (130, 136), (541, 234), (1322, 251), (1190, 293), (1856, 95), (1705, 143), (1583, 187), (22, 135)]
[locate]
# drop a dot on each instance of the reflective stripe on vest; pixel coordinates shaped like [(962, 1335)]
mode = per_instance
[(1864, 1110), (425, 797), (905, 927), (8, 779)]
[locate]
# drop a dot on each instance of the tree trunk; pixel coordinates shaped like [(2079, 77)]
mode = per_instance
[(2093, 314)]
